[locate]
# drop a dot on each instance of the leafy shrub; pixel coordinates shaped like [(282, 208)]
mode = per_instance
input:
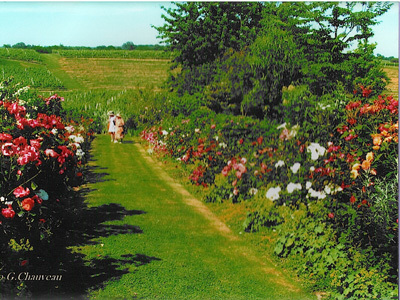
[(37, 144)]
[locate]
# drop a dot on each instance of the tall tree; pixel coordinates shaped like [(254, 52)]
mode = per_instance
[(250, 81), (201, 32), (333, 27), (128, 46)]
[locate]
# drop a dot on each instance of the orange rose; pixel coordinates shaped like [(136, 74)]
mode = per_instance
[(355, 167), (366, 165), (28, 204), (376, 139)]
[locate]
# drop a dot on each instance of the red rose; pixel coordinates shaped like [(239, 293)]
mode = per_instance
[(28, 204), (20, 192), (8, 213)]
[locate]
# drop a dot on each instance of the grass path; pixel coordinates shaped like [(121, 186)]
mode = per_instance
[(173, 246), (52, 62)]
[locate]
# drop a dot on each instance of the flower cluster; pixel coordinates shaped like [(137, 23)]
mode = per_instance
[(36, 144), (295, 171)]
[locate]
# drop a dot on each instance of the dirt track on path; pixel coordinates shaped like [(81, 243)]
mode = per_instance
[(215, 221)]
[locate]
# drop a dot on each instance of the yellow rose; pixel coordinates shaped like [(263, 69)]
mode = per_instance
[(370, 156), (354, 174)]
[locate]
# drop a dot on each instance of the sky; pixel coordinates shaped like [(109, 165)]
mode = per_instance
[(92, 23)]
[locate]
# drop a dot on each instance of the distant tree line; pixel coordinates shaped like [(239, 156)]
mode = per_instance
[(50, 49), (391, 59)]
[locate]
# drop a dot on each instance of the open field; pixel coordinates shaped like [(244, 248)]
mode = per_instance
[(116, 73), (393, 86), (80, 70)]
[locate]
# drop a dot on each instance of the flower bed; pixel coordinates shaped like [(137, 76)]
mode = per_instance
[(42, 156), (337, 173)]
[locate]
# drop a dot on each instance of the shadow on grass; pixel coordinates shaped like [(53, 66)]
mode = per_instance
[(74, 273), (127, 142)]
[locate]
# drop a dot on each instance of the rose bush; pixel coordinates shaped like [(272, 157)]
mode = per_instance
[(338, 159), (42, 155)]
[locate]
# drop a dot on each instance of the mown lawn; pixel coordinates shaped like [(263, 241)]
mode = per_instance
[(172, 250)]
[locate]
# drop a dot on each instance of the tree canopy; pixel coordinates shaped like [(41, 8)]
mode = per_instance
[(201, 32), (242, 53)]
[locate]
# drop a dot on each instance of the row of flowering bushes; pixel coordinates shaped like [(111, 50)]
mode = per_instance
[(336, 171), (42, 154)]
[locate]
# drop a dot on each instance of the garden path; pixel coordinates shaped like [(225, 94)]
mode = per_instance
[(173, 246)]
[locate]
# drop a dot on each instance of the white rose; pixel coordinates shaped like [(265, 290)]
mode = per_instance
[(295, 168), (273, 193)]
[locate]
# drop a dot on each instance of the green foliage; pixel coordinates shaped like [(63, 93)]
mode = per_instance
[(201, 32), (335, 27), (242, 69), (193, 80), (20, 54), (275, 61), (40, 49), (314, 252), (330, 220), (36, 76), (128, 46), (366, 70), (185, 105)]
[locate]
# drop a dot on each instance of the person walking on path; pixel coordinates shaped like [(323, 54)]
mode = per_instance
[(119, 133), (112, 126)]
